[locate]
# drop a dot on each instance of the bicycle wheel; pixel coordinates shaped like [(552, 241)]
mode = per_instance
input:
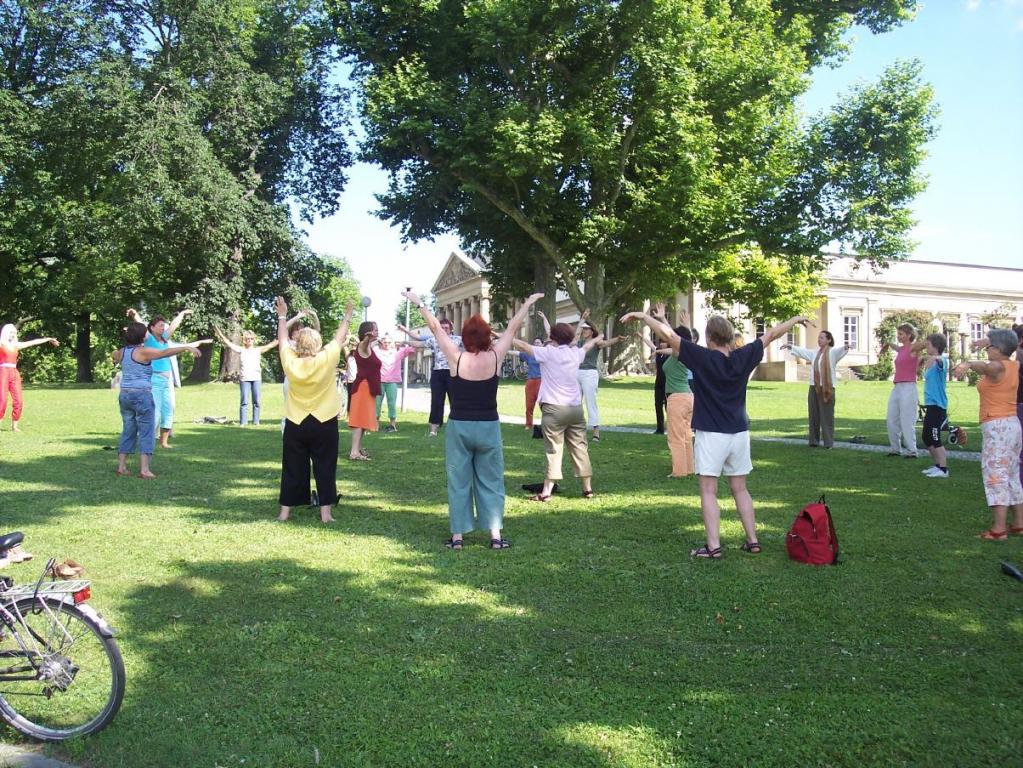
[(73, 673)]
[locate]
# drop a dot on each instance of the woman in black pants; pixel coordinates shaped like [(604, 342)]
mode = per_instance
[(311, 410), (440, 377)]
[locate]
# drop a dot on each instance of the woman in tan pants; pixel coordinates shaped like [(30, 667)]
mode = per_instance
[(561, 404)]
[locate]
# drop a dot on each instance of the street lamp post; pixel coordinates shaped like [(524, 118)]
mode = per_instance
[(365, 301), (404, 363)]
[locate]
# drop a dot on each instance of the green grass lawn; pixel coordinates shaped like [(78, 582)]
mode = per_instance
[(594, 641)]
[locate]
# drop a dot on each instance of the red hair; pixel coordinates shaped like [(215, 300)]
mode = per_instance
[(476, 334)]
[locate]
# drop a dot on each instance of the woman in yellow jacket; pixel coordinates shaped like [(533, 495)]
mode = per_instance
[(311, 414)]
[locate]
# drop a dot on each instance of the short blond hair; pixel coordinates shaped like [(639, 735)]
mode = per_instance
[(308, 342), (719, 331), (249, 335)]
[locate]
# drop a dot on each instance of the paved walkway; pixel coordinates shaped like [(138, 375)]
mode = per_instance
[(418, 399), (15, 757)]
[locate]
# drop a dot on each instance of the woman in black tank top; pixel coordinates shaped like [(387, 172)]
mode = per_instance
[(474, 453)]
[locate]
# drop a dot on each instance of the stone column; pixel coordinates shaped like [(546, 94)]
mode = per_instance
[(485, 308)]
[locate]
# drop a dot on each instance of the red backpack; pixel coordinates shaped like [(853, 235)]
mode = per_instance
[(812, 538)]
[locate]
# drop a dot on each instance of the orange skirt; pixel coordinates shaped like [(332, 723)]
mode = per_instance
[(362, 409)]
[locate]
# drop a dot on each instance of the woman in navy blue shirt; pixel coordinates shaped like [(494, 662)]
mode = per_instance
[(721, 373)]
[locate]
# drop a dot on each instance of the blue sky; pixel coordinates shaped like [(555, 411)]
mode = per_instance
[(972, 211)]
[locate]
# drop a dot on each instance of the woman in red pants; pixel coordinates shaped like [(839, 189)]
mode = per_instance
[(10, 378)]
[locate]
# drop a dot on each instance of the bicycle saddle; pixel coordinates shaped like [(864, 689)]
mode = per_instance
[(9, 540)]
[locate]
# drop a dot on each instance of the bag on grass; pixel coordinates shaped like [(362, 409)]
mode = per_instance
[(812, 538)]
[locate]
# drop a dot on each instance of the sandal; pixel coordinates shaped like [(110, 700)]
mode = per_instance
[(587, 494), (990, 535), (538, 497), (1016, 531), (359, 457), (499, 543), (753, 547), (704, 552), (454, 543)]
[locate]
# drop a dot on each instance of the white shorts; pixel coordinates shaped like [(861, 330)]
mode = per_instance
[(720, 453)]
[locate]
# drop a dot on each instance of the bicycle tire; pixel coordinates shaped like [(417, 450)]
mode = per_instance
[(94, 688)]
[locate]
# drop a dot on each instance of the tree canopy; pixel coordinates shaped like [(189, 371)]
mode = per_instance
[(152, 153), (631, 148)]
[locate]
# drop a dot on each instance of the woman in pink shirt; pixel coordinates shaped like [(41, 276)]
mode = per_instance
[(904, 401), (562, 406), (391, 358)]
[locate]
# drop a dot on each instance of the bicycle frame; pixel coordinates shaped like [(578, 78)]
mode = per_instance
[(41, 595)]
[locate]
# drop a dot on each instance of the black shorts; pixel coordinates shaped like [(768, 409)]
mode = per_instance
[(935, 418)]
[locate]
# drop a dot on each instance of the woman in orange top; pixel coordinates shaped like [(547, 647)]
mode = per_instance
[(1002, 436), (10, 377)]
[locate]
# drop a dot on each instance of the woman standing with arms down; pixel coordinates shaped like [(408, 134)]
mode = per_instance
[(10, 376), (311, 412), (250, 378), (136, 397), (1001, 437), (820, 399), (474, 455)]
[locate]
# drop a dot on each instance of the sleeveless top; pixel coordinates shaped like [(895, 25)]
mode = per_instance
[(8, 356), (905, 364), (367, 369), (473, 400), (998, 401), (589, 362), (134, 375)]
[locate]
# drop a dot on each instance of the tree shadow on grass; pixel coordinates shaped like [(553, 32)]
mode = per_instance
[(476, 658), (595, 640)]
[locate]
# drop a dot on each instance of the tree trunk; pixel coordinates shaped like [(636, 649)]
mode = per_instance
[(230, 362), (543, 282), (83, 348), (200, 373)]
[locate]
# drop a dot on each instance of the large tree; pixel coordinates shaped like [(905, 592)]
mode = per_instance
[(150, 153), (630, 148)]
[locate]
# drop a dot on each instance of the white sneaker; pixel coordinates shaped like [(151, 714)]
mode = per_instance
[(935, 472)]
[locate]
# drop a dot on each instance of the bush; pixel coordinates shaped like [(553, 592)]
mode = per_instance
[(882, 370)]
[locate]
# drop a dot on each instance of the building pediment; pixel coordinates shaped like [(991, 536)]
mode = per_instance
[(458, 269)]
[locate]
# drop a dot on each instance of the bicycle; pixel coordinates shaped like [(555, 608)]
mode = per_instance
[(514, 368), (61, 671)]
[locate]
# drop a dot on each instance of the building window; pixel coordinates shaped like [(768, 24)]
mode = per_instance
[(851, 331), (790, 337), (760, 327), (976, 330)]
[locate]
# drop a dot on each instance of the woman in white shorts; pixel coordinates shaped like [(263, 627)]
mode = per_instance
[(721, 373)]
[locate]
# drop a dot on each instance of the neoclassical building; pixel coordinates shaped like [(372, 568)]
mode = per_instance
[(855, 301)]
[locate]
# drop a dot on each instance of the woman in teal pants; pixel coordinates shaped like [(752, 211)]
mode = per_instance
[(474, 455)]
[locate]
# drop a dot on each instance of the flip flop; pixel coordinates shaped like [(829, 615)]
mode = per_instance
[(990, 535)]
